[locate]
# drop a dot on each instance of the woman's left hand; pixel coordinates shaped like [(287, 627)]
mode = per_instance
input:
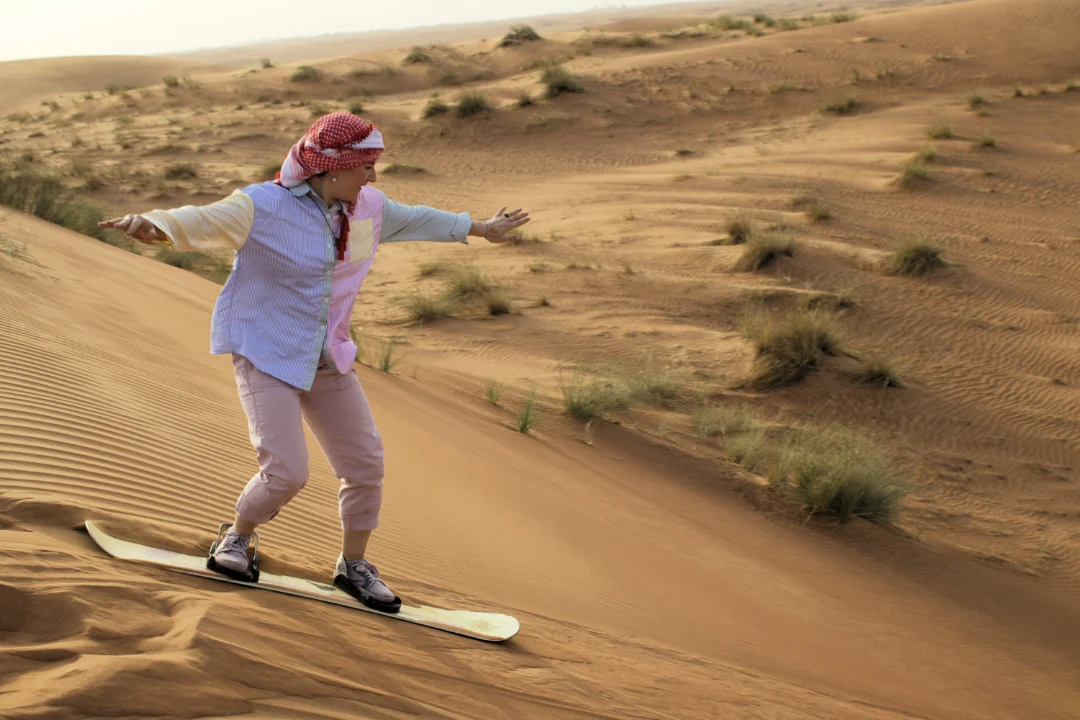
[(502, 223)]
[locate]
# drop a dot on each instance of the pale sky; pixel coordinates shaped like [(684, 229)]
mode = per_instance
[(56, 28)]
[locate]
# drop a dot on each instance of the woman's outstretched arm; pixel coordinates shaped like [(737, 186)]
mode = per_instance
[(223, 225), (418, 222)]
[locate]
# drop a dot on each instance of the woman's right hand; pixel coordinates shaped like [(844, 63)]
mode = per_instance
[(136, 226)]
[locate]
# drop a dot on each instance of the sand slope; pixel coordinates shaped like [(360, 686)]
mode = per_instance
[(643, 591), (652, 579)]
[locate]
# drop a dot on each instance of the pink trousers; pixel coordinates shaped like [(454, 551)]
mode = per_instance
[(338, 414)]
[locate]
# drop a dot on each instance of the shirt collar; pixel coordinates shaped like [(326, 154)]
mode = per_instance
[(303, 189)]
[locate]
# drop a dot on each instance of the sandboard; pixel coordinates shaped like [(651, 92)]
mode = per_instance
[(491, 627)]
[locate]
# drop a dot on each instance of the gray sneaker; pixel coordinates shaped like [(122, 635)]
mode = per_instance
[(361, 579), (230, 557)]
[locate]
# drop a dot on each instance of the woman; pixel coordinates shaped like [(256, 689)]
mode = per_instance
[(304, 244)]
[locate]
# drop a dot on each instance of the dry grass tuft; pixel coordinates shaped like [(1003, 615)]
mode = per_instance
[(790, 346), (306, 73), (913, 173), (740, 228), (723, 420), (424, 307), (762, 250), (916, 258), (940, 131), (472, 103), (594, 398), (519, 34), (878, 372), (842, 106), (559, 80), (841, 474), (435, 106), (399, 168)]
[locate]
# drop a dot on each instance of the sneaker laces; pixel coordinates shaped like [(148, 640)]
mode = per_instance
[(234, 540), (362, 566)]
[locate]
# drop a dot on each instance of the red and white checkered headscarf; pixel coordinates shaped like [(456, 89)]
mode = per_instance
[(338, 141)]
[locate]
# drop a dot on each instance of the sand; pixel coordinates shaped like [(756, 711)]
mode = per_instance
[(652, 578)]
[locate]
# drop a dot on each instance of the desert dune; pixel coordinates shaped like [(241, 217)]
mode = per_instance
[(657, 555)]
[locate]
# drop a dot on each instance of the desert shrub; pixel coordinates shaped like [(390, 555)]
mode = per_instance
[(913, 173), (878, 372), (469, 282), (425, 307), (306, 73), (497, 301), (927, 154), (435, 106), (493, 390), (416, 56), (527, 416), (789, 346), (356, 107), (814, 208), (171, 81), (47, 198), (749, 449), (181, 171), (916, 257), (519, 34), (395, 168), (525, 100), (839, 473), (723, 420), (940, 131), (266, 63), (472, 103), (726, 22), (558, 81), (116, 88), (178, 259), (842, 106), (740, 228), (987, 141), (976, 101), (762, 250), (594, 398)]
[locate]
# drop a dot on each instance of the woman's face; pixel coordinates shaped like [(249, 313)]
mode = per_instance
[(351, 181)]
